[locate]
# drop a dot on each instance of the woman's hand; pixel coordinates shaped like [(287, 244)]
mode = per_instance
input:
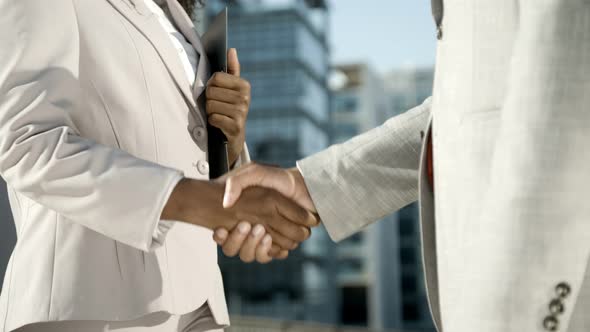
[(228, 103)]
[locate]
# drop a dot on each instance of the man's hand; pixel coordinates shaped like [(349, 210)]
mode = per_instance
[(251, 243), (285, 221), (228, 102), (288, 182), (250, 246)]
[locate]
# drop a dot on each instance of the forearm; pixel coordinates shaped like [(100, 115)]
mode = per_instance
[(199, 203)]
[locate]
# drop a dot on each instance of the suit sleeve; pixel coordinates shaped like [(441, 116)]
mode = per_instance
[(368, 177), (42, 153), (540, 178)]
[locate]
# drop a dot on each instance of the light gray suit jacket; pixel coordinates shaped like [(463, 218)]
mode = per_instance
[(97, 124), (507, 247)]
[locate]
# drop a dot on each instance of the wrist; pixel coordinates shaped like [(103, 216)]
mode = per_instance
[(301, 193), (199, 203)]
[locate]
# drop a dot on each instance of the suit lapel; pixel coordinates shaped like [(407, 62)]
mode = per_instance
[(186, 26), (144, 20)]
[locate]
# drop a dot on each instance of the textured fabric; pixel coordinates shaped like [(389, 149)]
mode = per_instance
[(510, 154), (355, 183), (199, 320), (97, 125)]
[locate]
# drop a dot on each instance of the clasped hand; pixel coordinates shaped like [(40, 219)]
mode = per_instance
[(252, 238)]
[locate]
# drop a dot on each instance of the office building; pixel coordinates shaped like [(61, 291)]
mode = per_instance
[(405, 89), (379, 270), (368, 279), (283, 51)]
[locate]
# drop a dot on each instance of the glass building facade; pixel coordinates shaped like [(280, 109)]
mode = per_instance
[(407, 88), (283, 52), (379, 272), (368, 274)]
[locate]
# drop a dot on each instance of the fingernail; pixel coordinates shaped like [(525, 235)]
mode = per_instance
[(243, 228), (258, 229), (221, 233), (266, 240)]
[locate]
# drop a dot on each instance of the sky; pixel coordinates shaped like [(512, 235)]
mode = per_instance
[(386, 34)]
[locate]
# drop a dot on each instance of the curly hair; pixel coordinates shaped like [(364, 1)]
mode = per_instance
[(189, 5)]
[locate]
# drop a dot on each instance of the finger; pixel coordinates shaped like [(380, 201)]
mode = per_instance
[(233, 63), (262, 251), (235, 112), (248, 176), (274, 249), (220, 236), (227, 95), (248, 250), (240, 179), (281, 255), (280, 240), (291, 230), (228, 126), (228, 81), (296, 213), (236, 239)]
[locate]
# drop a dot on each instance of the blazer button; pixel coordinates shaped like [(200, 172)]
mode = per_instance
[(563, 289), (199, 133), (550, 323), (203, 167), (556, 307)]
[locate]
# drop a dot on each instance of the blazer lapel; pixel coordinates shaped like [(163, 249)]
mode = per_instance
[(186, 26), (144, 20)]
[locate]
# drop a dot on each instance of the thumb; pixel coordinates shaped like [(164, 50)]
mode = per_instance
[(232, 193), (245, 177), (233, 64)]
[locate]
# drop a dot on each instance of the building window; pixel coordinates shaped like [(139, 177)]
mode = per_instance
[(409, 284), (411, 312), (350, 266), (354, 306), (356, 238), (407, 256), (406, 225)]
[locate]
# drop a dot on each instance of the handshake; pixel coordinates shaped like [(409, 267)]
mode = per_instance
[(282, 213), (266, 211)]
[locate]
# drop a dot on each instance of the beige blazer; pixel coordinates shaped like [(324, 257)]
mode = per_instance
[(97, 124), (507, 247)]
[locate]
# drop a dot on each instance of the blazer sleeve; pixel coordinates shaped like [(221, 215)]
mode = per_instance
[(540, 178), (42, 153), (368, 177)]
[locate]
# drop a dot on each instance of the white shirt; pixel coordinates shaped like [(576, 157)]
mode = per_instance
[(187, 53)]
